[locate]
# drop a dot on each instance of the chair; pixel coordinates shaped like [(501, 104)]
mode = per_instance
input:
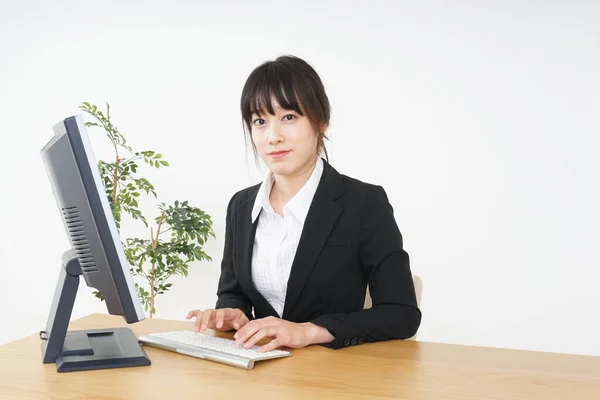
[(417, 281)]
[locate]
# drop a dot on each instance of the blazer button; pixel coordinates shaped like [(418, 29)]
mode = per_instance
[(361, 340), (347, 342), (354, 342)]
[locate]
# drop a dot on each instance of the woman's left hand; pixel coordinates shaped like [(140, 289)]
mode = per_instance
[(281, 333)]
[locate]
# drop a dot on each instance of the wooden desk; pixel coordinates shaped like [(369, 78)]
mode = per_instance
[(389, 370)]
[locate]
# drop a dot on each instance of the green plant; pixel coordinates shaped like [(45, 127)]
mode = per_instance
[(153, 260)]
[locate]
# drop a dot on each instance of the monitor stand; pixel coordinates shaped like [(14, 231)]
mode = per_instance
[(84, 349)]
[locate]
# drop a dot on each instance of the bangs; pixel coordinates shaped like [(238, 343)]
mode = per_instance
[(268, 84)]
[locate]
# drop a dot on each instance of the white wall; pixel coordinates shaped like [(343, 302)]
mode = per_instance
[(481, 122)]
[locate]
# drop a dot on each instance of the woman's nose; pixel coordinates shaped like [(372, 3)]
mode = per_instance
[(274, 134)]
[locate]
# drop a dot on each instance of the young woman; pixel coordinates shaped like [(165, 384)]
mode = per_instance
[(302, 246)]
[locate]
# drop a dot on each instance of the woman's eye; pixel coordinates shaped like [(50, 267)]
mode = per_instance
[(292, 116), (259, 121)]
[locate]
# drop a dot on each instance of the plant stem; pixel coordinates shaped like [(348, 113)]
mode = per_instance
[(115, 178), (154, 244)]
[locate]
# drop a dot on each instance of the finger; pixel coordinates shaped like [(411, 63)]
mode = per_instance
[(272, 345), (248, 330), (261, 334), (191, 314), (198, 321), (220, 315), (240, 322), (206, 316), (250, 327)]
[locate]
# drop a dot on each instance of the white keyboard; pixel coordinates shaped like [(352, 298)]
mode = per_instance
[(211, 348)]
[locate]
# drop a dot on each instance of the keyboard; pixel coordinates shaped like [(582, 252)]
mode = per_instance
[(210, 348)]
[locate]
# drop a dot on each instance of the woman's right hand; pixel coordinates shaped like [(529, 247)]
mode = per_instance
[(222, 319)]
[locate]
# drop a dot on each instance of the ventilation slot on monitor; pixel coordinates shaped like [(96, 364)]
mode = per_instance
[(79, 239)]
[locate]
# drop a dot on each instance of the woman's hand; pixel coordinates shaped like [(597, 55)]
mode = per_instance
[(281, 333), (222, 319)]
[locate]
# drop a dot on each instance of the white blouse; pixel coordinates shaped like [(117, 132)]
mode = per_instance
[(277, 237)]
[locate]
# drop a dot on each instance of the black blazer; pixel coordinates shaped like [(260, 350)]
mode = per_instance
[(350, 238)]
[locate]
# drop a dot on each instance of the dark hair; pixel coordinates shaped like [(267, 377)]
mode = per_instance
[(295, 85)]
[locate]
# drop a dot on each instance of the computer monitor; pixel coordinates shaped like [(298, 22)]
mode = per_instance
[(95, 252)]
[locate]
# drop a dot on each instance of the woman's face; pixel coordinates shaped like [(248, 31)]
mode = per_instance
[(286, 141)]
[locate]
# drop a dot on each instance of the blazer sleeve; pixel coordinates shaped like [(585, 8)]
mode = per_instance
[(394, 313), (229, 293)]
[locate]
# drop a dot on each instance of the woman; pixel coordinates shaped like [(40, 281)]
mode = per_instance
[(301, 246)]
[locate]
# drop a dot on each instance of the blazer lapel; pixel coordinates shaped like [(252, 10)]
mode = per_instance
[(320, 220)]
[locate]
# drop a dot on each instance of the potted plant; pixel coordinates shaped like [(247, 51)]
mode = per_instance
[(177, 232)]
